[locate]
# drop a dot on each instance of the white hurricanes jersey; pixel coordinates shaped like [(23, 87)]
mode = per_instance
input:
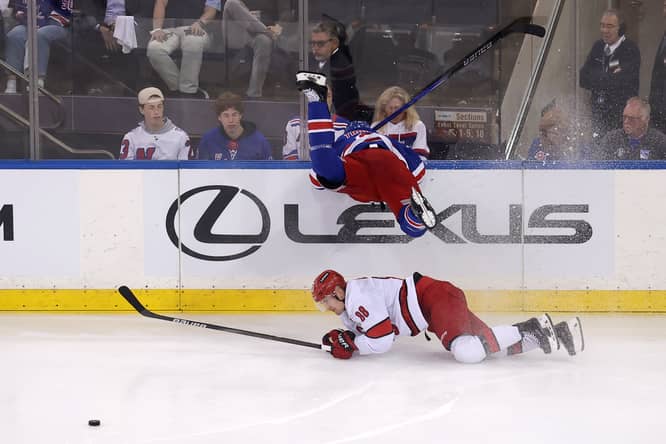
[(169, 143), (377, 309), (416, 138)]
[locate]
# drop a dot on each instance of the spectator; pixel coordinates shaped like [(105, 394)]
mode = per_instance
[(635, 140), (53, 20), (407, 127), (235, 138), (156, 138), (181, 24), (241, 29), (611, 73), (556, 139), (658, 85), (97, 43), (333, 59)]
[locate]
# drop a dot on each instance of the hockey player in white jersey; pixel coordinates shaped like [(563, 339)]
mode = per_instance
[(156, 138), (376, 310)]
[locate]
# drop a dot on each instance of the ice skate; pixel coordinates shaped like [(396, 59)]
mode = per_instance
[(312, 85), (541, 331), (423, 209), (570, 334)]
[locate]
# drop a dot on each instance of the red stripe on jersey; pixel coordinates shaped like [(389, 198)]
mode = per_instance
[(404, 310), (382, 329), (319, 125)]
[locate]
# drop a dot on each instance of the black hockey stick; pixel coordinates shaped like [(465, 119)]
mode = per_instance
[(521, 25), (134, 302)]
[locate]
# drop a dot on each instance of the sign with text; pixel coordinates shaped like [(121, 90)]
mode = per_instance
[(468, 125)]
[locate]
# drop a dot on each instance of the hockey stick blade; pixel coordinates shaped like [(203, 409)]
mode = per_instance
[(524, 25), (521, 25), (129, 296)]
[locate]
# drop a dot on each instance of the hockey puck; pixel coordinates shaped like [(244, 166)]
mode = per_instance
[(94, 422)]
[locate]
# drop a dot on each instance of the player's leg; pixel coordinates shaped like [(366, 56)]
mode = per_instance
[(325, 161), (535, 333), (394, 184), (444, 307)]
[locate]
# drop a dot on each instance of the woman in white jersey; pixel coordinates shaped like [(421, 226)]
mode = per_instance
[(407, 127)]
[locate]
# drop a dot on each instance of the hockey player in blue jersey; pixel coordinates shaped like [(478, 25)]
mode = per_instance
[(364, 164)]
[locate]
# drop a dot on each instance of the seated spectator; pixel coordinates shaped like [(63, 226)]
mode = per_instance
[(94, 40), (181, 24), (53, 21), (235, 138), (240, 29), (556, 139), (156, 138), (635, 140), (407, 127)]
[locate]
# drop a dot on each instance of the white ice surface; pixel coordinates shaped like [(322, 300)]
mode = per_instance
[(150, 381)]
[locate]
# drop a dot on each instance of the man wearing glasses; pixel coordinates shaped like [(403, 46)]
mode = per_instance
[(611, 73), (333, 59), (635, 140)]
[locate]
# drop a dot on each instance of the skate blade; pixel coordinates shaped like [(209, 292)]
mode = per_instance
[(425, 211)]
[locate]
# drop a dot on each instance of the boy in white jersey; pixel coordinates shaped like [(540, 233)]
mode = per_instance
[(156, 138), (375, 310)]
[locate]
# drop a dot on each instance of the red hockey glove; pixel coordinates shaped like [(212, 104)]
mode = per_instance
[(341, 342)]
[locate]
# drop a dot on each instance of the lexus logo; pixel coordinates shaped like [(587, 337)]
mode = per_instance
[(211, 246)]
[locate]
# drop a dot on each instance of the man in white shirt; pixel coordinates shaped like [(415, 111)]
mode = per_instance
[(156, 137)]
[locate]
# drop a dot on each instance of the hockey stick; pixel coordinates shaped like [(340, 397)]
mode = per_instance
[(521, 25), (134, 302)]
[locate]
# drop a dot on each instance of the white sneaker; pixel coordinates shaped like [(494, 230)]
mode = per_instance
[(40, 84), (11, 86)]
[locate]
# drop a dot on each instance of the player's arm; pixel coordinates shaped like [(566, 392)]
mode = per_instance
[(375, 322)]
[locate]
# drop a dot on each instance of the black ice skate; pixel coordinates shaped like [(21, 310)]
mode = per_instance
[(570, 334), (541, 331), (312, 85), (423, 209)]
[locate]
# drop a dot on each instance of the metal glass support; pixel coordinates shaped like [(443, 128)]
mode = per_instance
[(534, 79), (33, 94)]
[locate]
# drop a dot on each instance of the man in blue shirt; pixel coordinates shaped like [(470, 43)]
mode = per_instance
[(235, 138)]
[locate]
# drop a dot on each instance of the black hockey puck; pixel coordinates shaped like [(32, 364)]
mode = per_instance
[(94, 422)]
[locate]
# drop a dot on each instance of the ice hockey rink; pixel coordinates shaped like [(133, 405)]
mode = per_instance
[(152, 381)]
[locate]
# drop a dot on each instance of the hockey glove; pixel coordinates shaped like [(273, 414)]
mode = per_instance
[(341, 342)]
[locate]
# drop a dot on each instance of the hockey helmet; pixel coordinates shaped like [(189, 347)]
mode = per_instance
[(357, 125), (325, 284)]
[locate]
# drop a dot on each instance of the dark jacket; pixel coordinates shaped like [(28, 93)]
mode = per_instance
[(611, 85), (658, 88), (615, 145)]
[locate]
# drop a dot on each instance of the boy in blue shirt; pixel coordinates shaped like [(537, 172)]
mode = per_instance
[(234, 138)]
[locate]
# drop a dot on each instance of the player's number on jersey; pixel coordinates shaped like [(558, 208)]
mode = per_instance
[(362, 313)]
